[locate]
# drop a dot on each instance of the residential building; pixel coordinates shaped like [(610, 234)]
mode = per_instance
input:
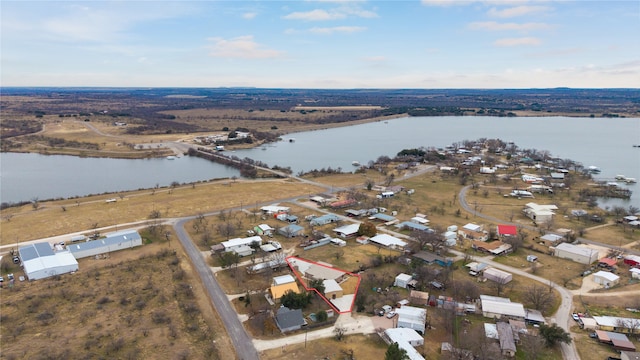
[(551, 239), (498, 307), (473, 231), (506, 339), (347, 231), (289, 320), (240, 245), (540, 213), (291, 230), (281, 285), (412, 317), (388, 241), (406, 339)]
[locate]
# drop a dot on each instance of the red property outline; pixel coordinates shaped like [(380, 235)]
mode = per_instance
[(304, 283)]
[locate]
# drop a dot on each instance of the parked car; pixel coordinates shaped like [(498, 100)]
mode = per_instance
[(593, 335), (391, 314), (575, 317)]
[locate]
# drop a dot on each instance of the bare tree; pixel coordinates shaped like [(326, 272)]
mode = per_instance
[(482, 347), (532, 346), (629, 324), (200, 223), (226, 229), (540, 297), (500, 284), (434, 240), (339, 332), (35, 203)]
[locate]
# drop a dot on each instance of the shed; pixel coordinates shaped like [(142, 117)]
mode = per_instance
[(635, 273), (589, 323), (497, 275), (382, 217), (402, 280), (412, 226), (40, 261), (507, 342), (606, 278), (551, 239), (419, 297), (263, 229), (632, 260)]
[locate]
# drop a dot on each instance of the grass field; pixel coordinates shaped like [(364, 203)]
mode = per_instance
[(133, 304), (66, 216)]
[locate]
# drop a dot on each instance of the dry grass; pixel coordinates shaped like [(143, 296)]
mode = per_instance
[(25, 223), (363, 346), (135, 304)]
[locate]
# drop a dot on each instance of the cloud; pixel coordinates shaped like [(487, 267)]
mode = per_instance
[(337, 29), (375, 59), (315, 15), (517, 41), (447, 2), (495, 26), (517, 11), (249, 15), (346, 9), (241, 47)]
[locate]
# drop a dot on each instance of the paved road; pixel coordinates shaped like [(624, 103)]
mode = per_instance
[(245, 350), (563, 315)]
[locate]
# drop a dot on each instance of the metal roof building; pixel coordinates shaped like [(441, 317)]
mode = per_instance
[(113, 242), (40, 261)]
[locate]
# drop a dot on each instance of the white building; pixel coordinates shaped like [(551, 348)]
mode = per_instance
[(497, 307), (389, 241), (497, 275), (539, 213), (240, 245), (412, 317), (40, 261), (347, 230), (635, 273), (580, 254), (402, 280), (606, 278), (113, 242), (406, 340)]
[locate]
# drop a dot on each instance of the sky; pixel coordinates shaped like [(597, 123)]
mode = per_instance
[(335, 44)]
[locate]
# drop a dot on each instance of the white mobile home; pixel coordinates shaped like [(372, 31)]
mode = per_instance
[(240, 244), (412, 317)]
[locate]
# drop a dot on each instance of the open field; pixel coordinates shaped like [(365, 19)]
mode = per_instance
[(363, 346), (133, 304), (84, 214)]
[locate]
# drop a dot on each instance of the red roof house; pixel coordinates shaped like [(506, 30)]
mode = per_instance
[(507, 230)]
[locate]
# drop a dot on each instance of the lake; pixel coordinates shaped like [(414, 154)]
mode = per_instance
[(602, 142)]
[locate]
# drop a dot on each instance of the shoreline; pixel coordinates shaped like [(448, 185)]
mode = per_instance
[(303, 128)]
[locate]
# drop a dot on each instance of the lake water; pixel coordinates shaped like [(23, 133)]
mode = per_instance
[(605, 143), (25, 176)]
